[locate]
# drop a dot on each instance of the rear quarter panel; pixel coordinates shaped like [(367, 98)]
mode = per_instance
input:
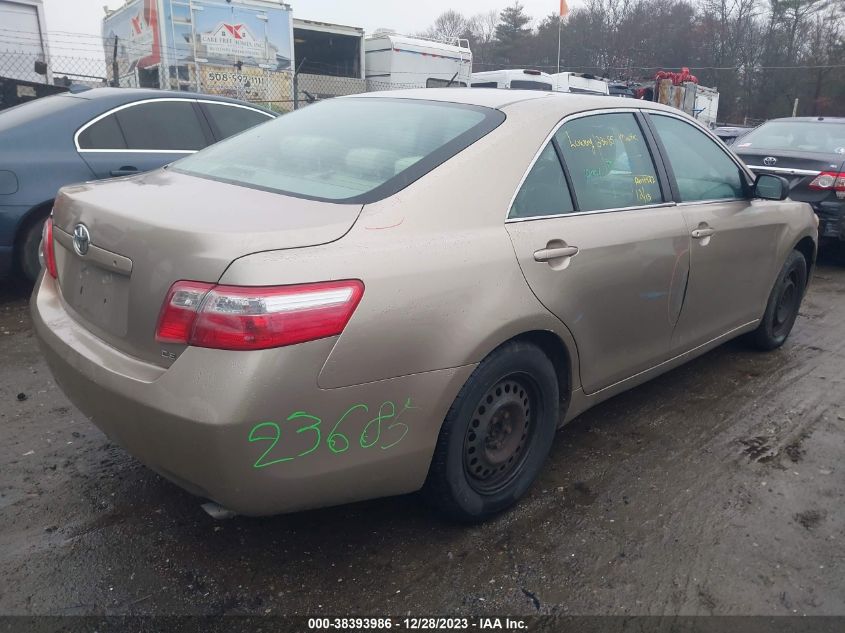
[(443, 286)]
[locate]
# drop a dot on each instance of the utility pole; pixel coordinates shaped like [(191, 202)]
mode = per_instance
[(564, 11), (115, 67), (559, 29)]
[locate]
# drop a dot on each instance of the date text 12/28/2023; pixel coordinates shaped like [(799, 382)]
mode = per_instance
[(418, 623), (384, 431)]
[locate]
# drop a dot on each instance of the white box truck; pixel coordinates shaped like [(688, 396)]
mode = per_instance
[(516, 79), (24, 37), (398, 61), (237, 48), (329, 60), (580, 82)]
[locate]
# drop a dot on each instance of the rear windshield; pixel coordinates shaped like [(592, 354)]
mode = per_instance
[(345, 150), (802, 136)]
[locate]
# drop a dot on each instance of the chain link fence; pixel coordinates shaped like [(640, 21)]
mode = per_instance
[(281, 91)]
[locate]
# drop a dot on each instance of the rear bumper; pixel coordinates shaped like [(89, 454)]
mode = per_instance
[(831, 219), (251, 430)]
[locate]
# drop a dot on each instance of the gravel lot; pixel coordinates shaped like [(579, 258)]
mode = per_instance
[(717, 488)]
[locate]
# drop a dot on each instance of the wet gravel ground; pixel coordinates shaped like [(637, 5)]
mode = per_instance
[(717, 488)]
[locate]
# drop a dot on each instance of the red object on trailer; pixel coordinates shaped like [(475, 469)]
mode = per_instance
[(677, 78)]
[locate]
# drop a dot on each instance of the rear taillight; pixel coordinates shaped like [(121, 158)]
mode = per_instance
[(250, 318), (829, 181), (48, 251)]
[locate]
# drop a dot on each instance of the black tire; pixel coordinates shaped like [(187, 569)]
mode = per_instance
[(784, 303), (505, 418), (28, 250)]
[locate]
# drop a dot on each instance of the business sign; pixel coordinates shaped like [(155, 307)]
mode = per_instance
[(135, 29), (209, 31), (232, 33), (234, 40), (249, 83)]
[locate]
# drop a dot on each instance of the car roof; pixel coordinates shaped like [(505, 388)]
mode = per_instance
[(487, 97), (815, 119), (500, 98), (56, 113), (120, 96)]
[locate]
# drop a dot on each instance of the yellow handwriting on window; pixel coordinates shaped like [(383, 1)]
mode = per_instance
[(645, 180)]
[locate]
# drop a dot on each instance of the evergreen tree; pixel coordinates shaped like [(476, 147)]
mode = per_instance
[(512, 32)]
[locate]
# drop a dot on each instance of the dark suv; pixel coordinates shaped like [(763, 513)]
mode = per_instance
[(810, 153), (101, 133)]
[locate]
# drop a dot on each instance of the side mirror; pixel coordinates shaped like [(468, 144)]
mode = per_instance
[(771, 187)]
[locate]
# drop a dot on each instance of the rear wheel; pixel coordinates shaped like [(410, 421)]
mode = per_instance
[(784, 303), (28, 250), (496, 435)]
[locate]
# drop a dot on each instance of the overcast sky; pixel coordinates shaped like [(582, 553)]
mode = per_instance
[(403, 16)]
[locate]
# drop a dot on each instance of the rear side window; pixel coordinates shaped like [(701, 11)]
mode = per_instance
[(162, 125), (485, 84), (544, 191), (609, 162), (230, 120), (434, 82), (346, 149), (702, 169), (104, 134), (522, 84)]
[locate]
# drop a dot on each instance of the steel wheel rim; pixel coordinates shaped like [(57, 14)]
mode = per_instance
[(787, 304), (499, 434)]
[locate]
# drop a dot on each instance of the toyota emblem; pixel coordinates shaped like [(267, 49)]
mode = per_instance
[(770, 161), (81, 239)]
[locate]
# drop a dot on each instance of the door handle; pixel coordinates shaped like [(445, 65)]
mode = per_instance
[(702, 233), (546, 254), (126, 170)]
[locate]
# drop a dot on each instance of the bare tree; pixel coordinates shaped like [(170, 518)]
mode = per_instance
[(759, 54), (482, 36), (448, 26)]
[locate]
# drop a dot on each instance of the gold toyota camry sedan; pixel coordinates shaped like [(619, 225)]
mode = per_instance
[(407, 290)]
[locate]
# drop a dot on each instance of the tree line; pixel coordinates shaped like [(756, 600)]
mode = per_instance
[(760, 54)]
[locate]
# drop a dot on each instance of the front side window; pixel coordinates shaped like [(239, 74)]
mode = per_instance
[(609, 162), (544, 191), (162, 125), (345, 149), (702, 169)]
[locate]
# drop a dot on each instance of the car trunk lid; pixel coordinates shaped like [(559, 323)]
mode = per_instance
[(146, 232), (799, 168)]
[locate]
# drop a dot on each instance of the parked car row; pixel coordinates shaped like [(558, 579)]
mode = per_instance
[(101, 133), (810, 153), (315, 311)]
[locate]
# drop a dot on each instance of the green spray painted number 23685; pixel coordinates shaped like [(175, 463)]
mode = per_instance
[(384, 431)]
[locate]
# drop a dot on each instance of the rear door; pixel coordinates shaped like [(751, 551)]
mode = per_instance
[(600, 245), (733, 238), (142, 136)]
